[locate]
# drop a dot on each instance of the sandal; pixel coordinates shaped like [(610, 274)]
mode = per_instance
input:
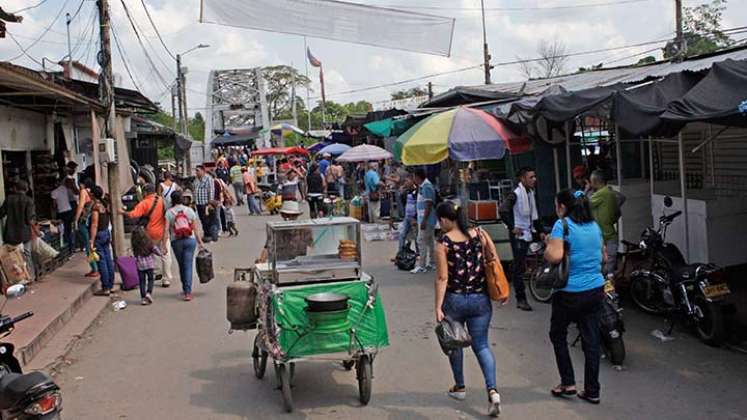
[(588, 399), (561, 391)]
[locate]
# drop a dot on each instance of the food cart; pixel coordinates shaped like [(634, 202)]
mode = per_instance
[(314, 302)]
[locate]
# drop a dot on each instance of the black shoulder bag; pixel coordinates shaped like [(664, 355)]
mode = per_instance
[(143, 221), (555, 276)]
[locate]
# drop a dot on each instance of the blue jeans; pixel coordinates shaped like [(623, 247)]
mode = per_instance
[(405, 227), (253, 204), (475, 310), (85, 234), (103, 242), (184, 251)]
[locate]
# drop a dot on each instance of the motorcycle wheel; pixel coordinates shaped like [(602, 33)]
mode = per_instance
[(647, 295), (710, 323), (615, 349), (540, 294)]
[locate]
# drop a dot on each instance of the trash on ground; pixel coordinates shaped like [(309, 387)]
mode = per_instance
[(661, 336), (119, 305)]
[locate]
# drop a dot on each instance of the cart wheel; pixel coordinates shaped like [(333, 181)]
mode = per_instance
[(364, 371), (285, 385), (348, 364), (259, 359)]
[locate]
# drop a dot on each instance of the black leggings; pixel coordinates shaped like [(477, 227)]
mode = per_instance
[(315, 204)]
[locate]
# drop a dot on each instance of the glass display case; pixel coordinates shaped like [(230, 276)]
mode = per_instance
[(313, 251)]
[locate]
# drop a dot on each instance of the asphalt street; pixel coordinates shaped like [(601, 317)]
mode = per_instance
[(176, 360)]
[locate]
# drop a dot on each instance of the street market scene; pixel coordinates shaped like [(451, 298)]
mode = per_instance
[(234, 209)]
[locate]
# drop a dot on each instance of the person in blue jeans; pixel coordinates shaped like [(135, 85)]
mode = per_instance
[(580, 301), (462, 295), (101, 240), (184, 239)]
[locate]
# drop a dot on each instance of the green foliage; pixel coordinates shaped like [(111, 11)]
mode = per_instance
[(280, 80), (409, 93), (195, 126), (701, 30), (334, 113), (647, 60)]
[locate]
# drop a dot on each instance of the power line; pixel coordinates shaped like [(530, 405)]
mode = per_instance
[(166, 66), (142, 46), (85, 32), (80, 6), (124, 59), (153, 24), (29, 8), (23, 52), (520, 9), (31, 45)]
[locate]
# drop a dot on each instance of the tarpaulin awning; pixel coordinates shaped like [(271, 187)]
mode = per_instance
[(637, 111), (234, 140), (295, 150), (337, 20), (390, 126), (714, 99), (568, 105)]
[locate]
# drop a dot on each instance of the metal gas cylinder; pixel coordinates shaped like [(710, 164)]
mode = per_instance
[(241, 309)]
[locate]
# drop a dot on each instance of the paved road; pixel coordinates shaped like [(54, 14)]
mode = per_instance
[(175, 360)]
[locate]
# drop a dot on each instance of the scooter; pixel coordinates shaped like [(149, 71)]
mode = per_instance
[(272, 201), (695, 293), (30, 396)]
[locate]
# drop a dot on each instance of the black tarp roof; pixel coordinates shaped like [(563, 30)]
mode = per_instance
[(714, 99)]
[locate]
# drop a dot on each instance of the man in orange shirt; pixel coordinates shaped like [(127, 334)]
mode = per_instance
[(152, 206), (250, 186)]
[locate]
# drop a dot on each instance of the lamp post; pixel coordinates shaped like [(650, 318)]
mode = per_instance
[(181, 89)]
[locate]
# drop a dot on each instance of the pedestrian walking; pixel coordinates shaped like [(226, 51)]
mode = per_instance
[(373, 186), (315, 187), (580, 301), (519, 213), (62, 197), (101, 240), (252, 192), (230, 218), (150, 213), (237, 181), (462, 295), (408, 225), (82, 221), (184, 230), (336, 179), (289, 188), (166, 187), (20, 221), (204, 191), (145, 260), (426, 219)]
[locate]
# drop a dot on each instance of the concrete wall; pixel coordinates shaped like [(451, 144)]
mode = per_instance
[(23, 130)]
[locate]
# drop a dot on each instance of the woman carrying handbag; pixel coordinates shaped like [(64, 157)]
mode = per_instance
[(462, 296), (580, 298)]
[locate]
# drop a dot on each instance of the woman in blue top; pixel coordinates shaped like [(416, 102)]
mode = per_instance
[(581, 300)]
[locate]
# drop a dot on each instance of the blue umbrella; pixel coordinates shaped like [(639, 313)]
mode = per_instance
[(335, 149)]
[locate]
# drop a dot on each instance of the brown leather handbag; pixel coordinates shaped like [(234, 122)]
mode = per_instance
[(498, 287)]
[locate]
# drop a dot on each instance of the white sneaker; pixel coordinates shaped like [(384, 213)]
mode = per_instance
[(458, 394), (418, 270), (494, 409)]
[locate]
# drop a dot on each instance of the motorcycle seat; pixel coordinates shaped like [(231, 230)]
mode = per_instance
[(14, 387)]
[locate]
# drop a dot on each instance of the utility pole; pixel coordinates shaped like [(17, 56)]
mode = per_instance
[(430, 90), (681, 45), (485, 53), (173, 107), (180, 93), (293, 96), (69, 51), (106, 95), (185, 118)]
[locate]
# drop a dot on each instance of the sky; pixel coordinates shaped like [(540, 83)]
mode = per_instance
[(511, 34)]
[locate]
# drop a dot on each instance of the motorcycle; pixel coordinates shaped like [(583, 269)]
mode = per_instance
[(670, 286), (272, 201), (30, 396)]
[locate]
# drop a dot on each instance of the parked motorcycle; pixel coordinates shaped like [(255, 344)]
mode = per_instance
[(693, 292), (30, 396)]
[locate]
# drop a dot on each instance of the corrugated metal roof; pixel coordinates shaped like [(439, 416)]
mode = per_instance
[(594, 78)]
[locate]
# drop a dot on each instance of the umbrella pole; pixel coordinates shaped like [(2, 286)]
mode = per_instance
[(568, 137)]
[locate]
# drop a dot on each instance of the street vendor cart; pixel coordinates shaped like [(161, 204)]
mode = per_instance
[(311, 301)]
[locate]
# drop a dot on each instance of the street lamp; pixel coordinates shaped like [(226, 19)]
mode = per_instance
[(180, 87)]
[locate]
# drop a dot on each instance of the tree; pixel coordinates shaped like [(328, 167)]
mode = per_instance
[(334, 113), (409, 93), (647, 60), (551, 62), (280, 80), (701, 30)]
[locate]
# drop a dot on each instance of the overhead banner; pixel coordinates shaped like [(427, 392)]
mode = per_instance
[(337, 20)]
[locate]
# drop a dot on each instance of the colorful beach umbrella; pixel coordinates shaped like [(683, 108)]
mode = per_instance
[(335, 149), (364, 153), (284, 129), (462, 134)]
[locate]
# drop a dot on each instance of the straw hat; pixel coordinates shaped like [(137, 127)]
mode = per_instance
[(291, 207)]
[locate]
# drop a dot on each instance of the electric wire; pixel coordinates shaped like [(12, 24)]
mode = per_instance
[(124, 59), (29, 7), (167, 67), (521, 8), (142, 46), (23, 52), (31, 45), (85, 32), (153, 24)]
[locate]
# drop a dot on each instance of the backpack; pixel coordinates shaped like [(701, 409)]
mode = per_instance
[(182, 225)]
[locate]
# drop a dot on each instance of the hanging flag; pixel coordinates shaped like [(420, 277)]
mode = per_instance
[(312, 60)]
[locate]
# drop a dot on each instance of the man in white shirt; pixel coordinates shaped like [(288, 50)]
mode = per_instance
[(63, 197), (519, 214)]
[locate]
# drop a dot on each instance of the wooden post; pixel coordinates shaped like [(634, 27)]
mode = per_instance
[(683, 190), (568, 170)]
